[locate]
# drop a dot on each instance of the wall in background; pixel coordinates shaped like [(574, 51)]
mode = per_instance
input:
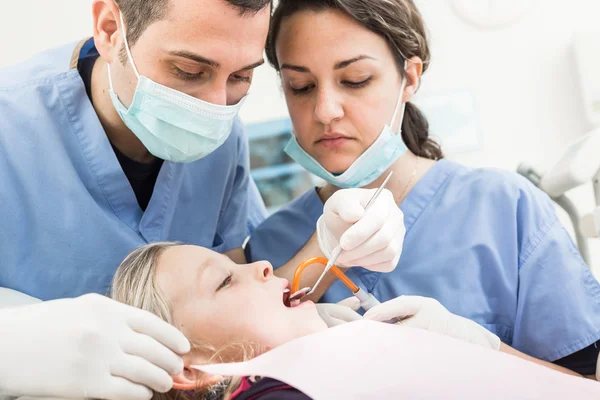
[(29, 26)]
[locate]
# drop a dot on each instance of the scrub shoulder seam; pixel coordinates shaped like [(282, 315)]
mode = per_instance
[(49, 80), (537, 239)]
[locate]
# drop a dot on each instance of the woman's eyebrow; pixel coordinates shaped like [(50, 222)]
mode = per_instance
[(296, 68), (338, 65), (345, 63)]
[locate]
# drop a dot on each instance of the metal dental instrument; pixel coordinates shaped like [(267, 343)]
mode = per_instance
[(338, 249)]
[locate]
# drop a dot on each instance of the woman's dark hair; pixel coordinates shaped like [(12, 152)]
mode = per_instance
[(399, 22)]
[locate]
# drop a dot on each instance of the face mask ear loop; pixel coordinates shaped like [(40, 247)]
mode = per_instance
[(129, 56), (400, 105), (110, 85)]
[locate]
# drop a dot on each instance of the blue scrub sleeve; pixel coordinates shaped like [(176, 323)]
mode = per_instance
[(257, 212), (558, 308), (243, 209), (285, 232)]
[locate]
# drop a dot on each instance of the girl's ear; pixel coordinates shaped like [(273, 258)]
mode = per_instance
[(192, 379)]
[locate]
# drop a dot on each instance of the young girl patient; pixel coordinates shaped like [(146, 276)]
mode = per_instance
[(232, 313), (220, 306)]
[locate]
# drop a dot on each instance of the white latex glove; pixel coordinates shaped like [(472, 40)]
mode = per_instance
[(371, 239), (428, 314), (89, 347), (340, 313)]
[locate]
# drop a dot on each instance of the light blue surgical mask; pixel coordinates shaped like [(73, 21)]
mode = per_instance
[(369, 166), (172, 125)]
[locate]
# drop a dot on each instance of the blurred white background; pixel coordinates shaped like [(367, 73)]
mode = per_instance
[(522, 76)]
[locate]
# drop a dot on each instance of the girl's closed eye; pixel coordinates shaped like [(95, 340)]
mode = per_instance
[(226, 282)]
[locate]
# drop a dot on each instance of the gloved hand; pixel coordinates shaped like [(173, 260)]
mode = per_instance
[(340, 313), (89, 347), (428, 314), (372, 239)]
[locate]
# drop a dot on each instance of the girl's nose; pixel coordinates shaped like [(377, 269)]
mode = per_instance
[(263, 270)]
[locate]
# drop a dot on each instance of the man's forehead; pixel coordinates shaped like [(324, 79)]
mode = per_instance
[(219, 33), (210, 10)]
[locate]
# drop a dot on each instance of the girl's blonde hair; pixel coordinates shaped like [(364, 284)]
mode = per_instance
[(135, 284)]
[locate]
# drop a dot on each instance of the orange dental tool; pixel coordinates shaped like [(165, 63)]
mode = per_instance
[(367, 300), (322, 261)]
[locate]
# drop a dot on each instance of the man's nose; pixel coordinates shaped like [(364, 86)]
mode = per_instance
[(216, 94)]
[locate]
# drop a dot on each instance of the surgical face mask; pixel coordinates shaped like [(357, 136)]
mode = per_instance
[(172, 125), (369, 166)]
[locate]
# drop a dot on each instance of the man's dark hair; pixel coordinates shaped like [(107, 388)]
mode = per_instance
[(139, 14)]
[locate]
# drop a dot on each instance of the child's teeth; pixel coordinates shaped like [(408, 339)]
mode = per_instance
[(286, 290)]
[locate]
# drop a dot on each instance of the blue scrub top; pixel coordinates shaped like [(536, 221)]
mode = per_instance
[(68, 213), (487, 244)]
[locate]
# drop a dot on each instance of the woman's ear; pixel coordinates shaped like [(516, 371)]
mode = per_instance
[(414, 70), (192, 379)]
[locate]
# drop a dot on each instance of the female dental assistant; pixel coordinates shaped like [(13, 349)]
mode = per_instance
[(485, 243)]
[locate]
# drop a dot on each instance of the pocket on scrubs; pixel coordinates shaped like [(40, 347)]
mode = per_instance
[(218, 243)]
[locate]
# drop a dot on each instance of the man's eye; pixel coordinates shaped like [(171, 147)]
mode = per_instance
[(240, 78), (187, 75)]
